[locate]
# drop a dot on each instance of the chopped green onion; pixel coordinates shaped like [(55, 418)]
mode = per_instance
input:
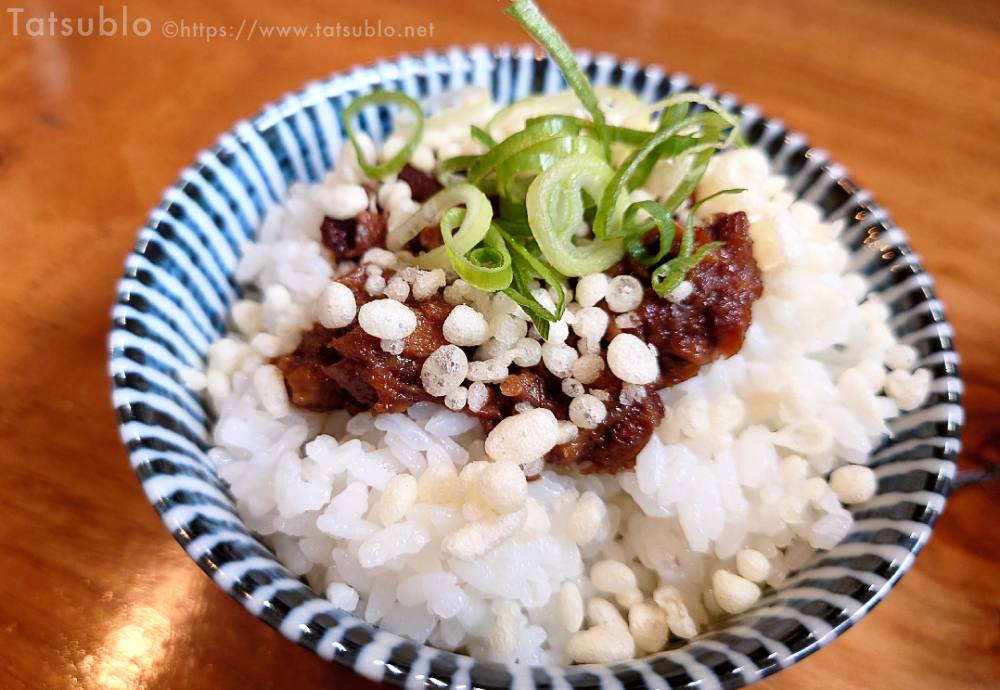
[(617, 187), (398, 161), (527, 267), (731, 120), (527, 14), (517, 228), (616, 134), (555, 213), (529, 107), (547, 129), (664, 223), (696, 170), (487, 266), (515, 174), (475, 224), (669, 275), (672, 113), (447, 169), (482, 137), (672, 149)]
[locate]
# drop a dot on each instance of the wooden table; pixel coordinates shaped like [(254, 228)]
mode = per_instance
[(96, 595)]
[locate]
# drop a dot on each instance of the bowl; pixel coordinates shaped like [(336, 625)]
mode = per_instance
[(178, 282)]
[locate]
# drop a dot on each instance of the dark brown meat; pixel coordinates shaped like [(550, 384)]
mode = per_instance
[(538, 387), (427, 239), (709, 324), (347, 368), (430, 238), (713, 320), (422, 185), (350, 239), (358, 373), (305, 374), (493, 410), (385, 382), (615, 443)]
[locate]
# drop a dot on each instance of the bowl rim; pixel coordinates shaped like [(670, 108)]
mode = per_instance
[(371, 652)]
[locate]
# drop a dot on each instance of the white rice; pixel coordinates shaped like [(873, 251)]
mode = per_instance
[(739, 461)]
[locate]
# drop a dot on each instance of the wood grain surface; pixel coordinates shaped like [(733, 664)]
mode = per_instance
[(94, 594)]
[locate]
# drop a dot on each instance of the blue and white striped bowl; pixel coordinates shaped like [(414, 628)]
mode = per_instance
[(172, 303)]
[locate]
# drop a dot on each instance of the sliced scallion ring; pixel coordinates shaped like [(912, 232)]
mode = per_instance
[(402, 157), (527, 137), (514, 174), (487, 266), (555, 213), (475, 224)]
